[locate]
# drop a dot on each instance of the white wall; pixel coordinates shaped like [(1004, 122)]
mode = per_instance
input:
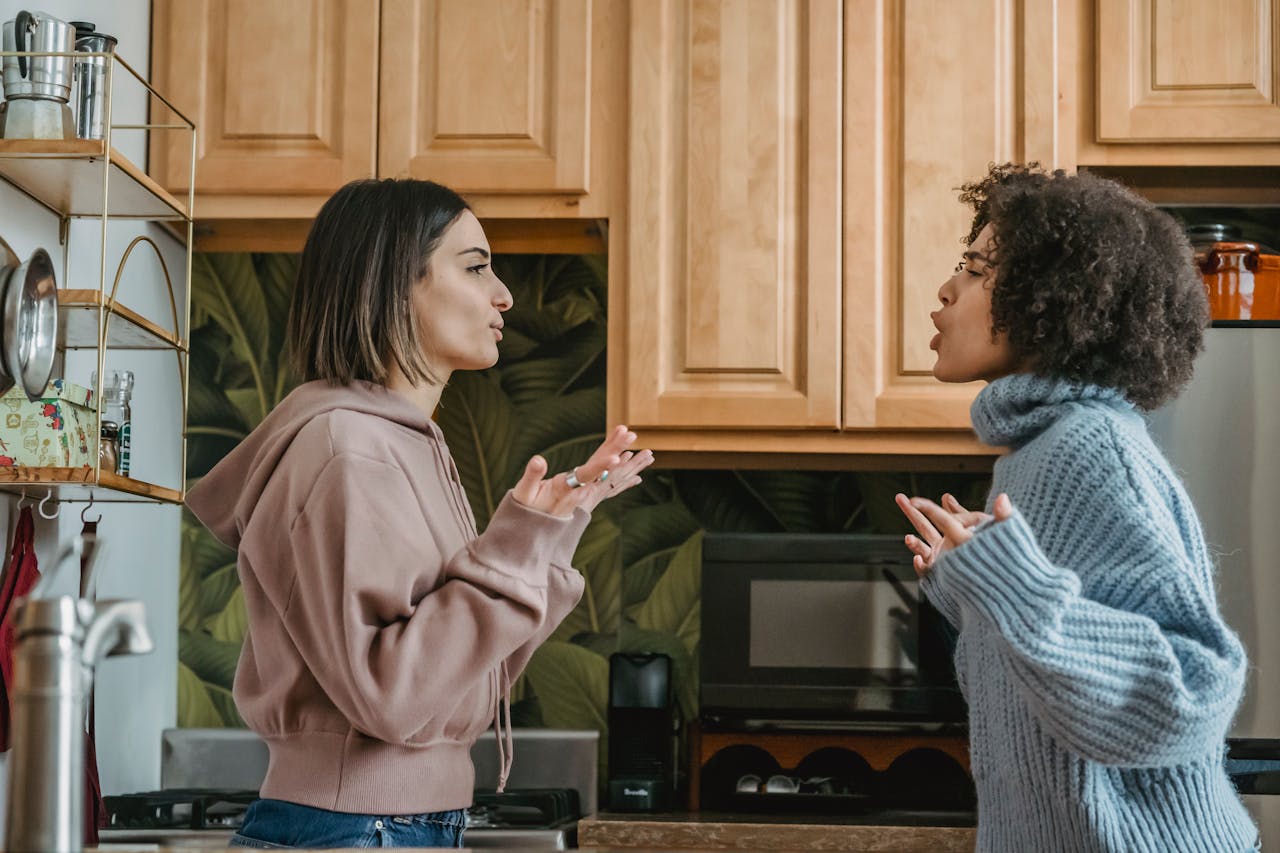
[(136, 697)]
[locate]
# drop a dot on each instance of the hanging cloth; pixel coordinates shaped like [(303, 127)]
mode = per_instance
[(95, 810), (20, 576)]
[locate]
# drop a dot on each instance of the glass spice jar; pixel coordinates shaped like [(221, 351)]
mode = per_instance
[(109, 446)]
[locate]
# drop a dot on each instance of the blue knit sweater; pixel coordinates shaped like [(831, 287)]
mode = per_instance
[(1100, 677)]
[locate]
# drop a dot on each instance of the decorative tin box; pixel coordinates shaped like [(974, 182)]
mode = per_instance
[(56, 431)]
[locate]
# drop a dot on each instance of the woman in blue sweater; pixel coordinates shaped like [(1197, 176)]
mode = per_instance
[(1100, 677)]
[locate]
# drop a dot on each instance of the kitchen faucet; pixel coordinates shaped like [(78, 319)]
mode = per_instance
[(59, 641)]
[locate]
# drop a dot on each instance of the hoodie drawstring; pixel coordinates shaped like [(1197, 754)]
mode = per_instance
[(502, 724)]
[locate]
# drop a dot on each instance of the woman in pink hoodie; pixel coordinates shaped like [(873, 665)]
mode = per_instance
[(383, 632)]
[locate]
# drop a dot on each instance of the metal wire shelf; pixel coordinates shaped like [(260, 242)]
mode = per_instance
[(91, 179)]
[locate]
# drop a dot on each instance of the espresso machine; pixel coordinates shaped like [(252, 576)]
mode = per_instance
[(37, 89)]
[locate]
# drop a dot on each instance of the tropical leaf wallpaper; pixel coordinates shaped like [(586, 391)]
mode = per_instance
[(640, 554)]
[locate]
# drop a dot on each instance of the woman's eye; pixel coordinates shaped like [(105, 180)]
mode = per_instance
[(477, 269)]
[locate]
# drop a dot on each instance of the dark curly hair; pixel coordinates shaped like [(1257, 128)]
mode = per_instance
[(1092, 283)]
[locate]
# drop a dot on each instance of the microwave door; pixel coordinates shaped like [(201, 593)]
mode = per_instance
[(825, 628)]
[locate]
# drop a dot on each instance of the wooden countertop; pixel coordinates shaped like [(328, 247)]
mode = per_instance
[(154, 848), (939, 833), (667, 833)]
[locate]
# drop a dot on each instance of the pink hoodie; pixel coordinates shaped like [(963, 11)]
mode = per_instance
[(383, 633)]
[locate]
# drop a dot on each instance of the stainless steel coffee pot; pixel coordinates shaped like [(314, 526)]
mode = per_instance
[(46, 77), (59, 641), (91, 81), (37, 88)]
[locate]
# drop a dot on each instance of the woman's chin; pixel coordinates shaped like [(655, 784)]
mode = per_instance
[(478, 361), (943, 373), (950, 375)]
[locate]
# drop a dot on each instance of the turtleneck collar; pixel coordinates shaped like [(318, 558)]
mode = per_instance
[(1014, 409)]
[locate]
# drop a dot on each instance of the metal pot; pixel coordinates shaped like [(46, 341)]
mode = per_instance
[(1242, 282), (37, 88), (30, 324), (28, 321), (47, 77), (8, 264)]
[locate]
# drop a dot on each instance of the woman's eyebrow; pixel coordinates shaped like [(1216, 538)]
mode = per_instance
[(976, 256), (484, 253)]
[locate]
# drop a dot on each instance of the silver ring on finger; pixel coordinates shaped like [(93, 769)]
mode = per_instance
[(572, 479)]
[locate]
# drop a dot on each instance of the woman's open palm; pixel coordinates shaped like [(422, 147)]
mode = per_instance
[(556, 495), (626, 475), (942, 528)]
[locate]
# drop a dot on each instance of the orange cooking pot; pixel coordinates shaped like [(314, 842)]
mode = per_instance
[(1242, 283)]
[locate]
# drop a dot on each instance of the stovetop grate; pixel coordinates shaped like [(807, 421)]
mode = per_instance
[(211, 808)]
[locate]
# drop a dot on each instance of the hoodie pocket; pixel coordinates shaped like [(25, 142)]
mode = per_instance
[(473, 713)]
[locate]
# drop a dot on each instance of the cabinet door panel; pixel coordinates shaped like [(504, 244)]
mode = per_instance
[(733, 273), (282, 93), (1186, 70), (985, 89), (487, 95)]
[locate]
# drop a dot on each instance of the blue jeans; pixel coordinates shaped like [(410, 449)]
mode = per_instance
[(274, 824)]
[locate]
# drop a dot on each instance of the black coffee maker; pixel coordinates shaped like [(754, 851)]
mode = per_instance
[(642, 732)]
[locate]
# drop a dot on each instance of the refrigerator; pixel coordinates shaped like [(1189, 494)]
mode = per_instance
[(1222, 435)]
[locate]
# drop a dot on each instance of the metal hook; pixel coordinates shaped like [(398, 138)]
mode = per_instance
[(45, 500), (22, 499), (87, 506)]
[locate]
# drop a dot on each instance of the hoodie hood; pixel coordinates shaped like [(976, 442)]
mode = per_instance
[(224, 499)]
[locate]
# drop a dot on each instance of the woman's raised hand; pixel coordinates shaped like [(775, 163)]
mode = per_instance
[(560, 493), (626, 475), (942, 528)]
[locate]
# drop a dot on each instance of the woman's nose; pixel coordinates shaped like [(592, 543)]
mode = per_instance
[(945, 292), (503, 300)]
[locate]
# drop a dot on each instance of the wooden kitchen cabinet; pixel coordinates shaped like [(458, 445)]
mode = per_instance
[(520, 105), (516, 104), (1180, 82), (284, 93), (732, 314), (490, 95), (781, 267), (934, 92)]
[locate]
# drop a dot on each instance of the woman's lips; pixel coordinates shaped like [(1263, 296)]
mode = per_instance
[(934, 341), (497, 333)]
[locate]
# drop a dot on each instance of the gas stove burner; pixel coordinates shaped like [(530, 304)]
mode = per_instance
[(208, 808), (179, 808), (524, 808)]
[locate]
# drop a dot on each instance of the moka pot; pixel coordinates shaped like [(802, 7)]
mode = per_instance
[(37, 88)]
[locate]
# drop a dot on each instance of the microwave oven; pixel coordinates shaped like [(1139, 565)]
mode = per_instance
[(821, 629)]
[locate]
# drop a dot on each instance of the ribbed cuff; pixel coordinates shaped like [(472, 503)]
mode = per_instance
[(940, 599), (562, 552), (518, 536), (1002, 575)]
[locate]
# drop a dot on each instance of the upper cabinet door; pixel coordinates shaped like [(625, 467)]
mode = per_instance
[(733, 266), (282, 93), (487, 95), (935, 91), (1188, 71)]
